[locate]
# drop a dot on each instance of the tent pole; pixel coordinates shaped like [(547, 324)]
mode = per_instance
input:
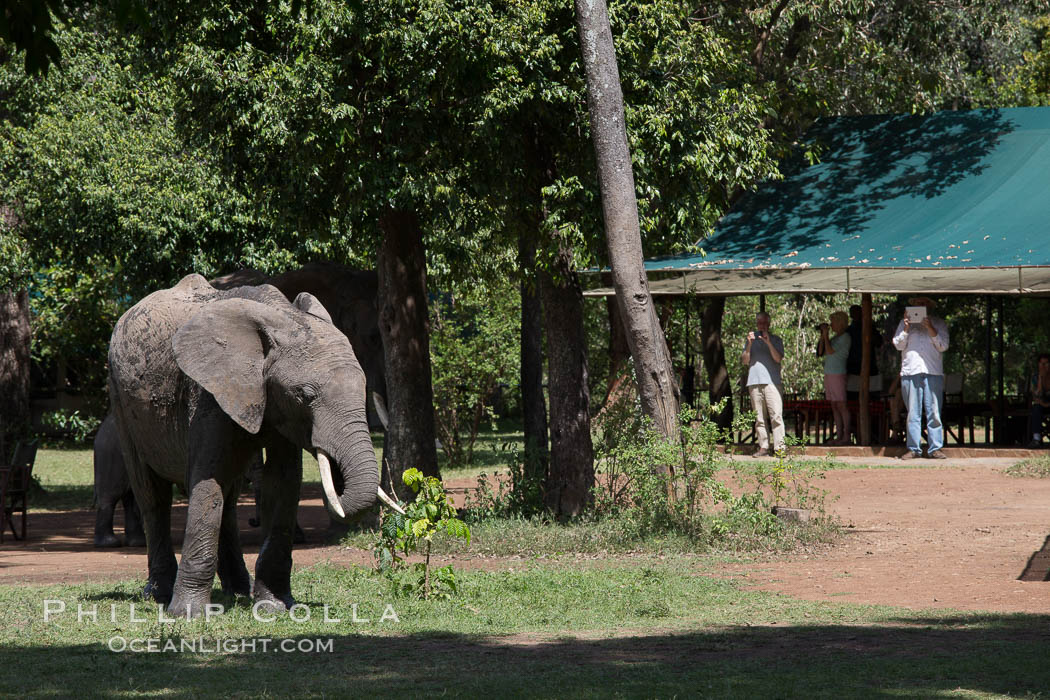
[(988, 365), (1000, 434), (864, 417)]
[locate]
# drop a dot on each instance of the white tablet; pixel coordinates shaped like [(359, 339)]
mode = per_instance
[(915, 314)]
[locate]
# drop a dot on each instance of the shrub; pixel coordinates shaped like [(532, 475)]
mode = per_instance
[(474, 357), (635, 488), (78, 428), (430, 513)]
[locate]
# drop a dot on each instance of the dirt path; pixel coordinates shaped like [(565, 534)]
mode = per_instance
[(931, 537), (957, 536)]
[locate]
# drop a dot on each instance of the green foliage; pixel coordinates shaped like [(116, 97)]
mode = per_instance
[(1030, 82), (475, 360), (519, 495), (96, 172), (431, 512), (80, 429), (636, 491), (634, 485), (74, 310)]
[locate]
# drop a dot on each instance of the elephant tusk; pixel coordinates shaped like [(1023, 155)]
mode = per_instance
[(389, 501), (330, 497)]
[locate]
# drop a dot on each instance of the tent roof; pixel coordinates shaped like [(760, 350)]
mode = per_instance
[(952, 202)]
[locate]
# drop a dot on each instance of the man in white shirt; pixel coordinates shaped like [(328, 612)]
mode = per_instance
[(763, 353), (922, 378)]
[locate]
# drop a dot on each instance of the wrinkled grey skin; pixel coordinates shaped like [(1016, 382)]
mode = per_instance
[(112, 487), (349, 296), (200, 381)]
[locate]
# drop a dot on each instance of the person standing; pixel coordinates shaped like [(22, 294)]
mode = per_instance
[(1039, 387), (835, 350), (763, 353), (922, 378)]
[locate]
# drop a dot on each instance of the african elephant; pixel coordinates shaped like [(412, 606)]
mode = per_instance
[(349, 296), (111, 487), (201, 381)]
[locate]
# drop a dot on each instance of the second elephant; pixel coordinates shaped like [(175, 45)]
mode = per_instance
[(112, 486)]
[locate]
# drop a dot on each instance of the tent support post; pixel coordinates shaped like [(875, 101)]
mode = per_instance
[(988, 365), (864, 417), (1000, 431)]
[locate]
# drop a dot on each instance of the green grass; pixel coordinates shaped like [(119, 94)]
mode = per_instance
[(580, 612), (540, 538), (1035, 467), (67, 478), (66, 474), (493, 451), (660, 628)]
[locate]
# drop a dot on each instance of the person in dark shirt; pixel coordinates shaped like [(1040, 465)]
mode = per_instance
[(1039, 388)]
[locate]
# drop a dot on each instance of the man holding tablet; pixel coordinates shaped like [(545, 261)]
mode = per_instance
[(922, 338)]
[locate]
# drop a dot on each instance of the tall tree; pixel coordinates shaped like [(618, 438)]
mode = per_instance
[(14, 365), (657, 387), (404, 325), (571, 473), (534, 406), (719, 385)]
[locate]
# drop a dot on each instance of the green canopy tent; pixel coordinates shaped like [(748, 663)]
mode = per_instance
[(947, 203)]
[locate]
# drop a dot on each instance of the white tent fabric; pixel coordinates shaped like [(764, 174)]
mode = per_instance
[(846, 280)]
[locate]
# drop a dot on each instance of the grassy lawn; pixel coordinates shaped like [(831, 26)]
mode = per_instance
[(658, 629), (67, 473), (622, 619)]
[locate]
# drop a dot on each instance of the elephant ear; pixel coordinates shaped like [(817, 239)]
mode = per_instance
[(309, 303), (223, 348)]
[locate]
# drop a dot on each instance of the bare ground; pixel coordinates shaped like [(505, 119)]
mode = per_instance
[(959, 535)]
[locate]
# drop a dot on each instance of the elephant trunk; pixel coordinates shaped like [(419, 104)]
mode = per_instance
[(360, 477)]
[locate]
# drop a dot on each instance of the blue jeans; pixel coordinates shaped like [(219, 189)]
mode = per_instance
[(924, 392)]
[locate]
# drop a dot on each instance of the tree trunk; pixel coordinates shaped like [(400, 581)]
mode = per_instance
[(533, 404), (657, 388), (719, 385), (405, 327), (619, 351), (14, 368), (570, 477)]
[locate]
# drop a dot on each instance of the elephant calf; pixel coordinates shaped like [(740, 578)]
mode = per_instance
[(201, 381), (112, 487)]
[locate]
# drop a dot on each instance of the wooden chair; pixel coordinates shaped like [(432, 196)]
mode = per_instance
[(956, 414), (14, 487)]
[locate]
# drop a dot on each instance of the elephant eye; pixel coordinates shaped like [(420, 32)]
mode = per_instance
[(306, 393)]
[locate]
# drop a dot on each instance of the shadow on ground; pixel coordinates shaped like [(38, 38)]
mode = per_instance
[(910, 658)]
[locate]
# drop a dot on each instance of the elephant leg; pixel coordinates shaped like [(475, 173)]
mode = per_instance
[(233, 574), (153, 495), (134, 536), (200, 547), (255, 474), (282, 476), (104, 535)]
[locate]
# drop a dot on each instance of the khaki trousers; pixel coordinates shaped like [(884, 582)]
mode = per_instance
[(768, 405)]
